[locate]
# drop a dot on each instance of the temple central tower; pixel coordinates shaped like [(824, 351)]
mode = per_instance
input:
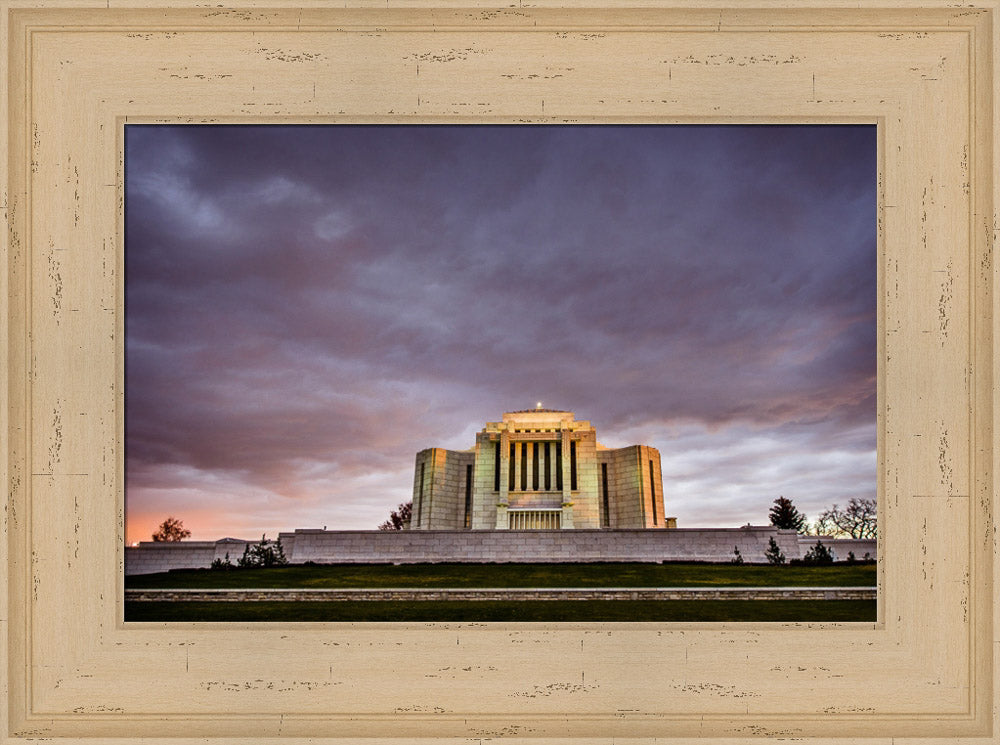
[(538, 469)]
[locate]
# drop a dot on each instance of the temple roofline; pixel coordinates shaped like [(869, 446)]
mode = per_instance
[(539, 411)]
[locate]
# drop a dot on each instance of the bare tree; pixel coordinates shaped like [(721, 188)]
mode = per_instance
[(856, 520), (171, 529)]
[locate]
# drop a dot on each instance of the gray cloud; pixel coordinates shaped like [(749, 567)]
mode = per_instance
[(308, 306)]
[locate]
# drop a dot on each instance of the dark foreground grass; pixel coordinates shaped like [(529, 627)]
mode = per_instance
[(515, 575), (486, 610)]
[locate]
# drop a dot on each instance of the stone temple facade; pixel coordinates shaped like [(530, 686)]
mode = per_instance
[(538, 469)]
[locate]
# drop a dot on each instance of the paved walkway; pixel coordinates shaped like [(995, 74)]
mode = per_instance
[(505, 593)]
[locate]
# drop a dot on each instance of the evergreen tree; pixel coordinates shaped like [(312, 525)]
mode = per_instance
[(279, 553), (263, 554), (248, 559), (784, 515), (773, 553), (818, 554)]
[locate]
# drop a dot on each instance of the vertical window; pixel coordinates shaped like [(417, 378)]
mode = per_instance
[(420, 493), (548, 467), (559, 466), (524, 466), (468, 496), (496, 466), (604, 487), (652, 490), (572, 465), (534, 466), (510, 469)]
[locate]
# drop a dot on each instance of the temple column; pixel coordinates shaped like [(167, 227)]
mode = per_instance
[(567, 492), (517, 465), (543, 453), (504, 496)]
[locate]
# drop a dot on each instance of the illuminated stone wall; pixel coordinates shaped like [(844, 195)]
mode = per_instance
[(408, 546), (441, 500)]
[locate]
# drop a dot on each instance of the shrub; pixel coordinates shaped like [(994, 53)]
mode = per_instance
[(818, 555), (737, 556), (773, 553), (263, 554), (850, 558), (222, 563)]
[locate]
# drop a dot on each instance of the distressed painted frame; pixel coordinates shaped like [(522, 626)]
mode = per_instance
[(76, 71)]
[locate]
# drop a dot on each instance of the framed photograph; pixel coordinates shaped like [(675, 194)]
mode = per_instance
[(308, 306), (75, 76)]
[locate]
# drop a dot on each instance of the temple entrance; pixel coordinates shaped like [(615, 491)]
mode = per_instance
[(534, 519)]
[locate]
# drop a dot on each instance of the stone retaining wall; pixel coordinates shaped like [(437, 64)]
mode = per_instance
[(465, 594), (840, 547), (486, 546), (691, 544), (153, 557)]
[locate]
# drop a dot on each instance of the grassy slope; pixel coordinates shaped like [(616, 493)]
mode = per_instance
[(516, 575)]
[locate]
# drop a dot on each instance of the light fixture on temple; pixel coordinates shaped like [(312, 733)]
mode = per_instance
[(538, 405)]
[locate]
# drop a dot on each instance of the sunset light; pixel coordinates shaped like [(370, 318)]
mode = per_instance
[(307, 307)]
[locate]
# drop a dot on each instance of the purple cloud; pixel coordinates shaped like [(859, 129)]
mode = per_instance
[(306, 307)]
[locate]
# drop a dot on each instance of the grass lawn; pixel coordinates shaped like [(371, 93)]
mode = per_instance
[(486, 610), (510, 575), (515, 575)]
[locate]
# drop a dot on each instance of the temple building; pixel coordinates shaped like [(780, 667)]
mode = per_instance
[(538, 469)]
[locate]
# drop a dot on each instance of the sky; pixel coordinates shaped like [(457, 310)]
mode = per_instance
[(309, 306)]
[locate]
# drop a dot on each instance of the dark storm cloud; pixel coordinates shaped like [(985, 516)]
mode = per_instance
[(308, 306)]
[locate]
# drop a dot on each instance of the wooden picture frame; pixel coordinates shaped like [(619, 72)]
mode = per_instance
[(76, 71)]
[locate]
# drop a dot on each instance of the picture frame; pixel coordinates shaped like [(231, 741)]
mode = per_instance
[(76, 72)]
